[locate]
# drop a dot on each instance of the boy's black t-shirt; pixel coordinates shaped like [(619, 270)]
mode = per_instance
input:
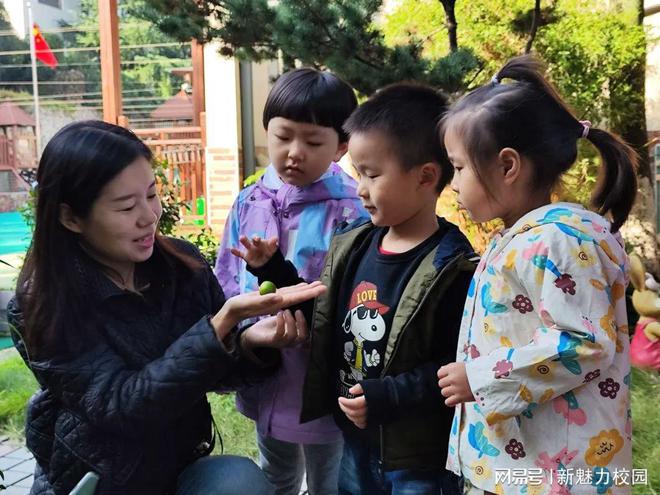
[(366, 308)]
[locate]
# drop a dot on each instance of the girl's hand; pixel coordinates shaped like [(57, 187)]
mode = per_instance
[(252, 304), (355, 409), (278, 331), (454, 384), (258, 251)]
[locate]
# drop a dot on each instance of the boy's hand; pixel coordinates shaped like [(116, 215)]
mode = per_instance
[(355, 409), (258, 252), (454, 384)]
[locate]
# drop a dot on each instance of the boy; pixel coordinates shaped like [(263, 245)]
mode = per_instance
[(391, 315)]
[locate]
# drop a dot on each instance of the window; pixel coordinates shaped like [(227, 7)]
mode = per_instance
[(53, 3)]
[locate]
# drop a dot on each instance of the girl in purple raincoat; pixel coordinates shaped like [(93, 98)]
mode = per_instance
[(296, 205)]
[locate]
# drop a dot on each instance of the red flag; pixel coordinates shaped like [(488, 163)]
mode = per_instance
[(42, 49)]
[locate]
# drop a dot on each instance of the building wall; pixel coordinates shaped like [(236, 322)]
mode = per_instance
[(45, 15), (652, 24), (263, 75), (223, 170)]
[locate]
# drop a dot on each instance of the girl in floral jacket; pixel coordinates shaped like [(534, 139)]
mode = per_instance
[(543, 374)]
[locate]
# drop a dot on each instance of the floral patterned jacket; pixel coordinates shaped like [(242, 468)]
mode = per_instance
[(545, 340)]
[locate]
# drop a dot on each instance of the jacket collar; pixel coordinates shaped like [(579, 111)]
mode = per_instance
[(333, 184), (452, 243), (98, 285)]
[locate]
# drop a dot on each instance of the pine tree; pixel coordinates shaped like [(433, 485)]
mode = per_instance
[(338, 35)]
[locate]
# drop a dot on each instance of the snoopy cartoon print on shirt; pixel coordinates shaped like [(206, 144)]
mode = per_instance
[(364, 329)]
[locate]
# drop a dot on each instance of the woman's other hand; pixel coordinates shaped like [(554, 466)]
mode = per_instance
[(283, 330)]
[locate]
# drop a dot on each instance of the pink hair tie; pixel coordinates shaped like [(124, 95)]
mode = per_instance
[(586, 126)]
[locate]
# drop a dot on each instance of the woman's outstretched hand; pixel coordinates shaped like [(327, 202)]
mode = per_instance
[(283, 330), (258, 251), (252, 304)]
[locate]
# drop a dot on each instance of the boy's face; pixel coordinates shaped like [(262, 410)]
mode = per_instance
[(301, 152), (390, 194)]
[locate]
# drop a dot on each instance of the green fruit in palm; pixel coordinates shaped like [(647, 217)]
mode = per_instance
[(267, 287)]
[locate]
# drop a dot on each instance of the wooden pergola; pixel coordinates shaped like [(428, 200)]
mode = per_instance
[(111, 67)]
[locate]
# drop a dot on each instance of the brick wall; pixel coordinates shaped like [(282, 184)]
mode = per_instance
[(223, 179)]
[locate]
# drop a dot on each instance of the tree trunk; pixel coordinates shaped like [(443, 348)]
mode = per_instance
[(450, 18), (640, 229)]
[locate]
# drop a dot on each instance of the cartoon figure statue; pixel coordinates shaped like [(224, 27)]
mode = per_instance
[(645, 344), (365, 322)]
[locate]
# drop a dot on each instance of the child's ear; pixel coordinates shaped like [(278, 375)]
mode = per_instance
[(69, 219), (341, 150), (429, 174), (511, 165)]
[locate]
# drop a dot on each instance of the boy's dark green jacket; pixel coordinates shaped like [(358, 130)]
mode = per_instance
[(408, 422)]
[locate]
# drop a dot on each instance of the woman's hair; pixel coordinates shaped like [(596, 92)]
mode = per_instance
[(74, 167), (312, 96), (529, 116)]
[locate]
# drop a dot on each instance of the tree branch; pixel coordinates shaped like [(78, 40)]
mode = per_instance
[(332, 38), (450, 19), (653, 9), (535, 25)]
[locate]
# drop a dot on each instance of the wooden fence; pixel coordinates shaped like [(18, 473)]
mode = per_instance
[(7, 154), (183, 150)]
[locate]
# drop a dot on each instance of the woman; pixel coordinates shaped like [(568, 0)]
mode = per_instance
[(126, 331)]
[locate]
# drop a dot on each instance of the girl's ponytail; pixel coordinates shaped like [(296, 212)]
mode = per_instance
[(617, 180), (530, 116), (529, 69)]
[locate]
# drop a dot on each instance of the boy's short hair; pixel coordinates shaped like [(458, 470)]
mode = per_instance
[(408, 114), (312, 96)]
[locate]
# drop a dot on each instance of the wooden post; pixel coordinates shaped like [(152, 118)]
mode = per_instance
[(202, 125), (110, 70), (197, 52), (122, 120)]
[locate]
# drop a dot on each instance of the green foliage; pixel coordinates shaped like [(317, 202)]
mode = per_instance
[(590, 50), (238, 432), (17, 384), (591, 53), (646, 425), (339, 35), (29, 210), (207, 243), (169, 192), (152, 70)]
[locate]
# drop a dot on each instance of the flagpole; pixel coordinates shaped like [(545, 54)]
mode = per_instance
[(35, 82)]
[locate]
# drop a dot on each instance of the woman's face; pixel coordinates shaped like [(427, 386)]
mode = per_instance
[(121, 226)]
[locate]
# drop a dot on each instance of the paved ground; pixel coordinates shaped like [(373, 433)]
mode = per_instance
[(17, 464)]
